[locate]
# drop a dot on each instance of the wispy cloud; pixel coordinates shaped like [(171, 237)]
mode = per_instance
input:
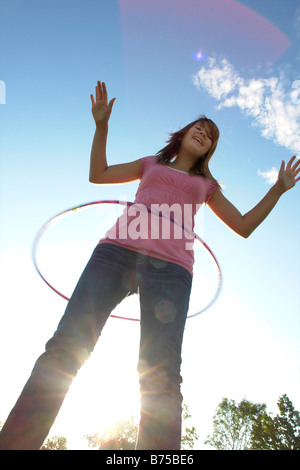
[(270, 102), (269, 176)]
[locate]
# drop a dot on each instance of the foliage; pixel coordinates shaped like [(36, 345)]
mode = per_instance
[(233, 424), (123, 435), (190, 435), (281, 432), (55, 443), (246, 425), (237, 426)]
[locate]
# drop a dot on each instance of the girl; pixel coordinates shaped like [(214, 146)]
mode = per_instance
[(159, 267)]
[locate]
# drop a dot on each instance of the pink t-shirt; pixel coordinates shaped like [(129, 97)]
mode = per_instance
[(169, 192)]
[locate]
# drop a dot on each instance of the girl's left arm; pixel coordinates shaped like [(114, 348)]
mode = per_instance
[(244, 225)]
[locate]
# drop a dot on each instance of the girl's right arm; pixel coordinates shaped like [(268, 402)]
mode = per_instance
[(245, 224), (100, 171)]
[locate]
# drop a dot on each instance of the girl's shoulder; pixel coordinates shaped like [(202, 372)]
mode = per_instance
[(150, 159), (148, 162)]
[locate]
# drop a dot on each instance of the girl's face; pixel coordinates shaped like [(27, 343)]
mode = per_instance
[(197, 140)]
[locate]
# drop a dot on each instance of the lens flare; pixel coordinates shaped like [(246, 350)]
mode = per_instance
[(199, 56), (166, 311)]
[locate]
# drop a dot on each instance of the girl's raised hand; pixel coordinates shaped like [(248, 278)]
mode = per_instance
[(287, 176), (101, 109)]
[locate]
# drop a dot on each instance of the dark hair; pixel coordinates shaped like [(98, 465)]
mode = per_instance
[(165, 155)]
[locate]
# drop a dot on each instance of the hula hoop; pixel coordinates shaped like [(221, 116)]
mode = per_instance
[(80, 207)]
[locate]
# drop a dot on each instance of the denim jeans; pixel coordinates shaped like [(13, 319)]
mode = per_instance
[(111, 274)]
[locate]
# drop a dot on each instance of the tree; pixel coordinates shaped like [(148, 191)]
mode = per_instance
[(233, 423), (281, 432), (123, 435), (190, 435), (55, 443)]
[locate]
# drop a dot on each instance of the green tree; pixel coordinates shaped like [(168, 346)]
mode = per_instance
[(281, 432), (189, 435), (55, 443), (233, 423)]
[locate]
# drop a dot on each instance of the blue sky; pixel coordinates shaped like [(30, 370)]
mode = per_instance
[(52, 54)]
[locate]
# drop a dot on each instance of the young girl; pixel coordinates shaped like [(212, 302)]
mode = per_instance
[(159, 267)]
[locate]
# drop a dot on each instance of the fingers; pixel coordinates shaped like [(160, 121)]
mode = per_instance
[(294, 167), (104, 91), (111, 103), (296, 170), (100, 93), (281, 169), (290, 167), (291, 162)]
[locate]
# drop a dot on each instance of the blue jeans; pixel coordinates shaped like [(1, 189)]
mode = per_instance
[(111, 274)]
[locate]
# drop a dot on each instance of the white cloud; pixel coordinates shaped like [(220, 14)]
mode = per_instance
[(221, 82), (270, 176), (270, 102)]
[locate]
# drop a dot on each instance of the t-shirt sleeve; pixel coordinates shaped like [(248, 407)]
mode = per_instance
[(210, 190), (146, 161)]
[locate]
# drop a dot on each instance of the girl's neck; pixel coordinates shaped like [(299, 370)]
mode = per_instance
[(182, 163)]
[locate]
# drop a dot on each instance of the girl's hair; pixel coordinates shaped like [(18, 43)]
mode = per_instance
[(165, 155)]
